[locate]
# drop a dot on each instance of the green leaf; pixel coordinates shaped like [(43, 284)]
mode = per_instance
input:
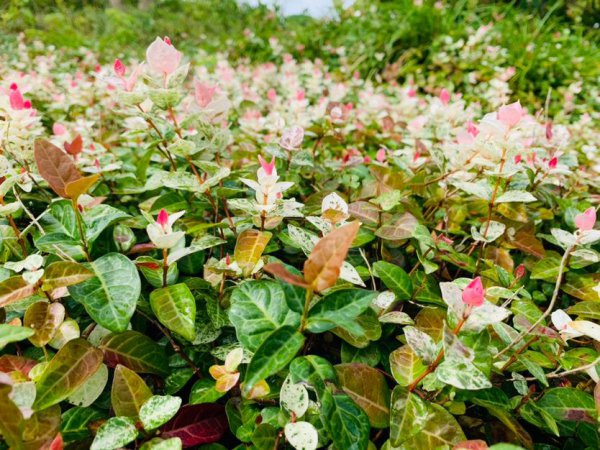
[(569, 404), (546, 268), (129, 392), (409, 415), (395, 279), (339, 309), (162, 444), (11, 333), (70, 368), (257, 309), (158, 410), (534, 369), (136, 351), (406, 366), (75, 423), (348, 425), (175, 308), (65, 273), (110, 297), (365, 329), (314, 370), (204, 391), (369, 389), (115, 433), (99, 218), (273, 355)]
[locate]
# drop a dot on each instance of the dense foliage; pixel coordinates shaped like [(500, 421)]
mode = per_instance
[(271, 256)]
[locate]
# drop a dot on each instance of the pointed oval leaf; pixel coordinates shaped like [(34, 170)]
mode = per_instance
[(340, 308), (88, 392), (406, 365), (322, 268), (55, 166), (395, 279), (175, 308), (369, 390), (197, 424), (136, 351), (409, 415), (129, 392), (302, 435), (78, 187), (273, 355), (12, 333), (14, 289), (348, 425), (257, 309), (111, 296), (70, 368), (158, 410), (249, 248), (44, 319), (65, 273), (115, 433)]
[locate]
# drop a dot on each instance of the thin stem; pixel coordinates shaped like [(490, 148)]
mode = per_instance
[(165, 267), (561, 269), (307, 300), (81, 232)]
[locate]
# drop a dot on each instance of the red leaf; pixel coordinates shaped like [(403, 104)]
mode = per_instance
[(279, 271), (75, 147), (197, 424), (12, 363)]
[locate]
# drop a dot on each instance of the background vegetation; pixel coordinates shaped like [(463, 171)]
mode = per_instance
[(551, 44)]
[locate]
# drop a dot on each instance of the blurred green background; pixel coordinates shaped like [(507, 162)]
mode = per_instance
[(550, 43)]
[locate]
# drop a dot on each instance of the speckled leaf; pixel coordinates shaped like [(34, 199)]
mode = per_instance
[(441, 429), (462, 374), (409, 415), (158, 410), (302, 435), (294, 397), (115, 433)]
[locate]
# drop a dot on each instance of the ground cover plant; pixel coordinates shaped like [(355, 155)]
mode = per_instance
[(270, 256)]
